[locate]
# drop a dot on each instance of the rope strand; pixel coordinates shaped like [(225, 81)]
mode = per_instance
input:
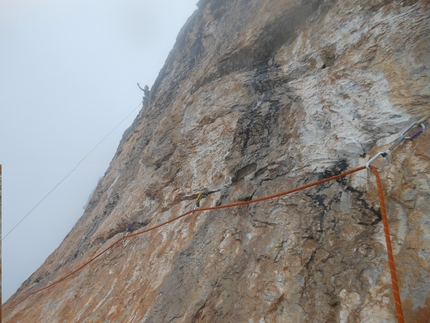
[(395, 286), (65, 177), (188, 213), (394, 283)]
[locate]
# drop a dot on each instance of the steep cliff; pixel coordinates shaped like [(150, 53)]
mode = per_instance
[(255, 98)]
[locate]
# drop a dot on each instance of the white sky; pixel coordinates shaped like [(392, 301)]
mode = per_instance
[(68, 74)]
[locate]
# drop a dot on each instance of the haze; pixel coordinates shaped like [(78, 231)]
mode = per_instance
[(68, 74)]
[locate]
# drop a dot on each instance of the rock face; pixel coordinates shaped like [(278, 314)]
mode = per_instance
[(258, 97)]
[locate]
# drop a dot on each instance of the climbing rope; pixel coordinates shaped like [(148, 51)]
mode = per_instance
[(383, 211), (70, 173), (394, 283), (183, 215), (369, 166)]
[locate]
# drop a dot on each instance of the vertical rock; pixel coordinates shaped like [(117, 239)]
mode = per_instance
[(255, 98)]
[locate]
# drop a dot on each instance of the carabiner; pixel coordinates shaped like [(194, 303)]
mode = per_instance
[(416, 133), (383, 154), (403, 134)]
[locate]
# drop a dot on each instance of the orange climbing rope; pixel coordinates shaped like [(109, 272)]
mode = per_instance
[(396, 293), (383, 211), (183, 215)]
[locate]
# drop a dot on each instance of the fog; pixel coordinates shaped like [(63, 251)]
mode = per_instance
[(68, 74)]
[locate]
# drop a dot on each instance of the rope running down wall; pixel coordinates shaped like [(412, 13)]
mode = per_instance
[(395, 286)]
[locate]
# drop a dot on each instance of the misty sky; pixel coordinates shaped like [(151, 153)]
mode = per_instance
[(68, 74)]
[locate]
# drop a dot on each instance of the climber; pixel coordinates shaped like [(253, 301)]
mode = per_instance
[(146, 93)]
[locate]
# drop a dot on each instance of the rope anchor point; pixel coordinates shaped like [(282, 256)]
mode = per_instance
[(399, 140)]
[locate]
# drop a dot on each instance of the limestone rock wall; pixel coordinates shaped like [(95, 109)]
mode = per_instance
[(255, 98)]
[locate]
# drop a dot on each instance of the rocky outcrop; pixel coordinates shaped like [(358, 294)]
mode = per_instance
[(258, 97)]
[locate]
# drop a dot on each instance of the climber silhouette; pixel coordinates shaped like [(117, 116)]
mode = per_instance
[(146, 93)]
